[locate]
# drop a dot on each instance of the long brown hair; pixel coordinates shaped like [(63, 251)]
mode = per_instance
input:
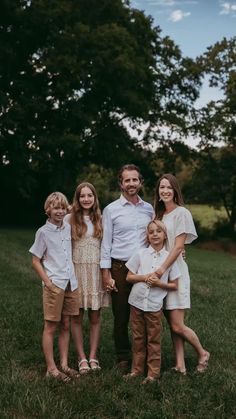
[(159, 205), (78, 225)]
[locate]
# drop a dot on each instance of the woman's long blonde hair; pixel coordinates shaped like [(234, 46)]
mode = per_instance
[(78, 225)]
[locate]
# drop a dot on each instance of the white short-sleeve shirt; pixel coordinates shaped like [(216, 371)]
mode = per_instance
[(144, 262), (53, 246)]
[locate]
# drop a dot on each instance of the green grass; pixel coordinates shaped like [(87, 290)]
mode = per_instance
[(207, 216), (25, 393)]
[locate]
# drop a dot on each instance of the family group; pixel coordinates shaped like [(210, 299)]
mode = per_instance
[(132, 257)]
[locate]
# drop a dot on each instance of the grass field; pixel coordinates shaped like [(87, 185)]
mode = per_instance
[(25, 393), (207, 216)]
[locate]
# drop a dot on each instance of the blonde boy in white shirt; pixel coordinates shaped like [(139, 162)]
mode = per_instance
[(146, 300), (52, 260)]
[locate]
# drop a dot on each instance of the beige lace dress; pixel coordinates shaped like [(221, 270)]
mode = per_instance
[(86, 259)]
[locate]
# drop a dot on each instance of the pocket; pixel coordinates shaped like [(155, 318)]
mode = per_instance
[(54, 290)]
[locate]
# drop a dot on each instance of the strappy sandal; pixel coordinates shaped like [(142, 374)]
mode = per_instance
[(83, 369), (181, 371), (149, 380), (74, 374), (95, 367), (203, 365), (58, 376), (130, 376)]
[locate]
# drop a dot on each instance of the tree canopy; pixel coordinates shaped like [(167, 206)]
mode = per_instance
[(86, 87), (216, 126), (75, 77)]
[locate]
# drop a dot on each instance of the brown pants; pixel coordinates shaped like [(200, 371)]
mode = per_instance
[(121, 310), (146, 341)]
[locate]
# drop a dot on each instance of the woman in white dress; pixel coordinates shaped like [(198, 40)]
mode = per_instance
[(169, 207)]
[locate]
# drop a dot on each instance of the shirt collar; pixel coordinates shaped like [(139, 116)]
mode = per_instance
[(125, 201), (54, 227), (153, 251)]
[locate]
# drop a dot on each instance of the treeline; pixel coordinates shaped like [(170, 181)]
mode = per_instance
[(88, 86)]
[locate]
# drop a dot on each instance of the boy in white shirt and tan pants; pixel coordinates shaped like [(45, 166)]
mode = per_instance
[(146, 300)]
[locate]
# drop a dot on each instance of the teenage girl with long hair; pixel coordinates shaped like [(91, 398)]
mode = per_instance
[(86, 229)]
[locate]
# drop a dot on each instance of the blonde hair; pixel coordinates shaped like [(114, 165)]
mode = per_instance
[(78, 225), (159, 224), (54, 199)]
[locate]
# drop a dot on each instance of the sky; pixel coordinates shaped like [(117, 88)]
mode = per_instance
[(193, 25)]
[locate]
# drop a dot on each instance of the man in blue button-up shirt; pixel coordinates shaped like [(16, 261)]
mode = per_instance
[(124, 232)]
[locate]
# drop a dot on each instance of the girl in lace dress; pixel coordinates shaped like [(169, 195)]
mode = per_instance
[(169, 207), (85, 220)]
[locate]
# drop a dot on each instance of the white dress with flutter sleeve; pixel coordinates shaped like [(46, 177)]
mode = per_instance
[(177, 222)]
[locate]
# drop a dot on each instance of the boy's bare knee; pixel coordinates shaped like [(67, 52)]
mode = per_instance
[(65, 323), (76, 320), (50, 327)]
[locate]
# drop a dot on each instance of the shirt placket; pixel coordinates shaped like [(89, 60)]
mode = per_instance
[(135, 221), (146, 298), (65, 250)]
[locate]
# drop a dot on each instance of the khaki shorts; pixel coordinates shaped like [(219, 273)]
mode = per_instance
[(58, 301)]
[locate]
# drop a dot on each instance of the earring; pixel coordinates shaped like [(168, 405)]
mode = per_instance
[(160, 199)]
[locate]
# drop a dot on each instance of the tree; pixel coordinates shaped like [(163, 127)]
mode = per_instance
[(216, 125), (73, 75)]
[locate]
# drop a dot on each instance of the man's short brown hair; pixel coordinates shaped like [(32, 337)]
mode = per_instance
[(130, 167)]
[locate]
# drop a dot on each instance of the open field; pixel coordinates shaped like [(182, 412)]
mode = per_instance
[(25, 393), (207, 216)]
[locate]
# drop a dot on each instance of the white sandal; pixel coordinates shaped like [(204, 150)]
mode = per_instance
[(95, 367), (83, 369)]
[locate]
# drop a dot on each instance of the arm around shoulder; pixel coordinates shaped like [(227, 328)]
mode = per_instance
[(173, 255)]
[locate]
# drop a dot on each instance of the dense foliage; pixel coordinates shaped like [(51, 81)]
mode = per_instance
[(74, 77), (86, 87), (216, 125)]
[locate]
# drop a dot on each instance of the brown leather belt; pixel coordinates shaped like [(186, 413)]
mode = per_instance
[(119, 261)]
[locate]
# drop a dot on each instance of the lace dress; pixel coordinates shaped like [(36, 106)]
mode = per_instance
[(86, 259)]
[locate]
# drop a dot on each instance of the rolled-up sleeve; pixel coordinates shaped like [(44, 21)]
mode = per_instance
[(106, 245), (133, 263), (39, 247)]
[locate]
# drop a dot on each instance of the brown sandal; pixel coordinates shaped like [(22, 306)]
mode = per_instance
[(58, 376), (71, 372), (203, 365), (130, 376), (149, 380)]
